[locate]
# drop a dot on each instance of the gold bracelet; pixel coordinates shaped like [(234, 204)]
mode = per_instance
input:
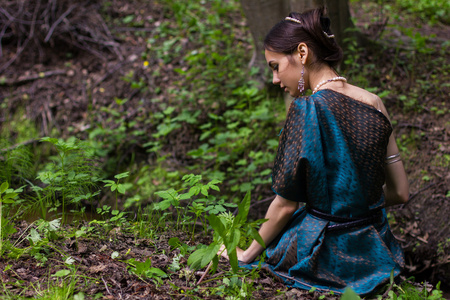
[(394, 161)]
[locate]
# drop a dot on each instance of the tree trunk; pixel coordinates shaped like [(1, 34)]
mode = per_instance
[(304, 5), (339, 13), (261, 16)]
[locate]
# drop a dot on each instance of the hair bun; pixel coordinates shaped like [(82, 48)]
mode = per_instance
[(325, 22), (314, 31)]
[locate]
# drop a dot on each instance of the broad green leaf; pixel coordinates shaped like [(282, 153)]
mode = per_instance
[(163, 205), (217, 225), (349, 294), (255, 235), (54, 225), (204, 190), (203, 136), (193, 191), (142, 267), (7, 199), (79, 233), (232, 256), (4, 187), (197, 152), (155, 271), (211, 252), (61, 273), (213, 186), (122, 175), (121, 188), (34, 236), (169, 194), (215, 264), (169, 110), (200, 258), (233, 240), (19, 190), (49, 139), (244, 207), (214, 181), (185, 196), (174, 242), (195, 259)]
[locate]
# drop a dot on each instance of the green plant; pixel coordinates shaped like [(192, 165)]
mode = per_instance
[(71, 176), (116, 186), (111, 219), (15, 162), (228, 231), (349, 294), (198, 206), (145, 270), (409, 290), (7, 196), (63, 286), (236, 288), (429, 10)]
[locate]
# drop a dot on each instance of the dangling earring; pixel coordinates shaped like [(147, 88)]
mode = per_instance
[(301, 82)]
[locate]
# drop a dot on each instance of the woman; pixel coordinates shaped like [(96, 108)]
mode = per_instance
[(336, 154)]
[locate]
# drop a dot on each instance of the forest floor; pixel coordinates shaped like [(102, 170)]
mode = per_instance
[(55, 94)]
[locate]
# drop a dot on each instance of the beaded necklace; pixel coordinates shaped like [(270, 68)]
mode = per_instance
[(337, 78)]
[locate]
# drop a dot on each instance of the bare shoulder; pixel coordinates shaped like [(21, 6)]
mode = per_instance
[(368, 98), (364, 96)]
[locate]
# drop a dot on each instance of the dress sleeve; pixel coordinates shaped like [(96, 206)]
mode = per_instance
[(299, 153)]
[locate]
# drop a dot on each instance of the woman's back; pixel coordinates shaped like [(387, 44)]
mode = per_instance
[(332, 153)]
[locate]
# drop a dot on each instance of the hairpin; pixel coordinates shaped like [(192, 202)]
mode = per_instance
[(293, 20), (330, 36)]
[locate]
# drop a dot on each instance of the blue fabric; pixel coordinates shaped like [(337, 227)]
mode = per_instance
[(331, 157)]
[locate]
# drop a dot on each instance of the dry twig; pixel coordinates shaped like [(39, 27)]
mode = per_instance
[(25, 79), (67, 23)]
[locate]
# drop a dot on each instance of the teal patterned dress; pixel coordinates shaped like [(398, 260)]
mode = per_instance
[(331, 157)]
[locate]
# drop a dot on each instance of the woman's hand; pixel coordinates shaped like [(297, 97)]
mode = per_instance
[(240, 254), (278, 215)]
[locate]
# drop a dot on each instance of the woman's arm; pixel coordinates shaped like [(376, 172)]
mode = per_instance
[(396, 190), (278, 215)]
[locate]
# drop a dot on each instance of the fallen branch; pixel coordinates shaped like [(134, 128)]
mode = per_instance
[(106, 286), (206, 272), (13, 59), (32, 141), (22, 80), (125, 29), (30, 24), (418, 192), (109, 73), (60, 19)]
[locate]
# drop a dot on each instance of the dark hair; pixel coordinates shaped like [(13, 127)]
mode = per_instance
[(314, 31)]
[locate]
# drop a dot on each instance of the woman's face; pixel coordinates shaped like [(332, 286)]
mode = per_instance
[(286, 71)]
